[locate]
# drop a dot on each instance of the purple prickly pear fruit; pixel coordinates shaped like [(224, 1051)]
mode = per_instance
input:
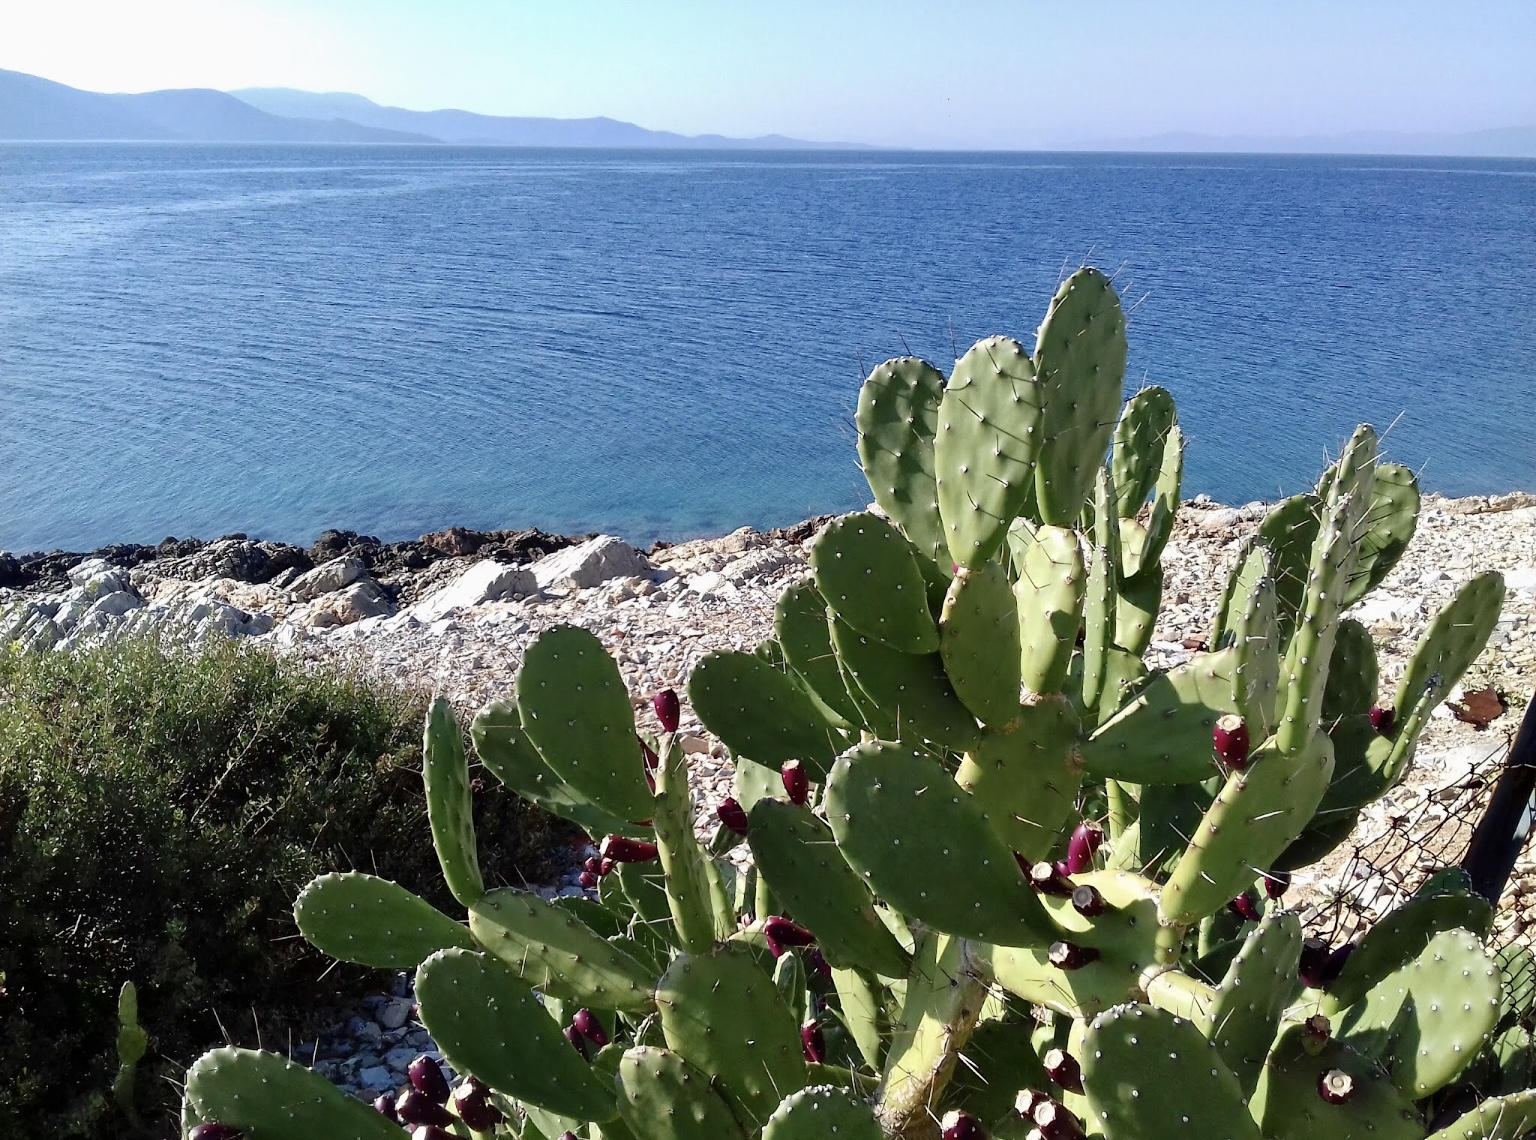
[(1276, 883), (958, 1125), (1055, 1122), (1066, 955), (578, 1042), (568, 1135), (797, 784), (214, 1131), (1063, 1069), (1316, 1032), (472, 1101), (1083, 846), (1245, 908), (1335, 1086), (668, 710), (585, 1022), (622, 849), (733, 815), (1025, 866), (431, 1132), (1024, 1104), (649, 755), (1230, 738), (782, 934), (1314, 960), (592, 864), (1087, 901), (605, 868), (1049, 879), (414, 1107), (813, 1043), (587, 880), (816, 963), (1383, 720), (1335, 964), (384, 1104)]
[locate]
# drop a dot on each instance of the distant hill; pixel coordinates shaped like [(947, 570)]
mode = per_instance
[(35, 108), (1504, 142), (466, 127)]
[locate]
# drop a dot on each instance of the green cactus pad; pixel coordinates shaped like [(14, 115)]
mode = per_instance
[(445, 773), (1452, 642), (374, 922), (722, 1014), (867, 573), (1255, 991), (1136, 457), (760, 712), (1169, 814), (1049, 595), (1125, 935), (861, 1012), (1290, 530), (912, 693), (1497, 1118), (1256, 641), (1352, 673), (897, 418), (683, 861), (798, 855), (820, 1112), (985, 450), (1136, 611), (995, 1064), (268, 1097), (1388, 528), (1255, 817), (923, 844), (1101, 599), (489, 1023), (800, 621), (663, 1097), (1143, 546), (1288, 1106), (1145, 1070), (1163, 734), (553, 950), (576, 711), (979, 643), (1026, 775), (503, 747), (1430, 1017), (1080, 361)]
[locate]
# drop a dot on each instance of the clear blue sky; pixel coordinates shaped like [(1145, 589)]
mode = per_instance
[(963, 73)]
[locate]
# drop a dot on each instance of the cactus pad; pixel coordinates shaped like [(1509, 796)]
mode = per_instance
[(1254, 992), (268, 1097), (760, 712), (866, 571), (374, 922), (800, 622), (1288, 1106), (1352, 673), (1145, 424), (1497, 1118), (1049, 595), (820, 1112), (1163, 734), (445, 773), (979, 643), (1388, 528), (897, 418), (663, 1097), (1452, 642), (1026, 775), (912, 692)]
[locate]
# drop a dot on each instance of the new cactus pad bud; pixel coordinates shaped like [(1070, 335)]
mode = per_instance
[(1049, 879), (813, 1042), (957, 1125), (1383, 720), (1245, 908), (214, 1131), (733, 815), (577, 1041), (384, 1104), (782, 934), (622, 849), (1276, 883), (414, 1107), (797, 784), (1063, 1069), (1083, 846), (472, 1101), (1066, 955), (1087, 901), (1316, 1032), (586, 1023), (1230, 739), (668, 709), (1336, 1086)]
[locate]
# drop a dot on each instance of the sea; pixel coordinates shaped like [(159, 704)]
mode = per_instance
[(204, 339)]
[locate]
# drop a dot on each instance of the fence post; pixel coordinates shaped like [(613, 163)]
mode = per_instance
[(1506, 824)]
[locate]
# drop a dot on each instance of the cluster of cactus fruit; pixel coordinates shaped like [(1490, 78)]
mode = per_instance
[(1003, 879)]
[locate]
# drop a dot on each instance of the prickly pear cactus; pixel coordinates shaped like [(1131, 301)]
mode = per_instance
[(985, 873)]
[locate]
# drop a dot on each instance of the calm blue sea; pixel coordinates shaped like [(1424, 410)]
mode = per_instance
[(278, 339)]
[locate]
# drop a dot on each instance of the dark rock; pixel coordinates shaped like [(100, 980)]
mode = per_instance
[(11, 574), (455, 542), (237, 558), (800, 531)]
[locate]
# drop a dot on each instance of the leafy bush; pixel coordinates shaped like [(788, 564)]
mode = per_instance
[(158, 812)]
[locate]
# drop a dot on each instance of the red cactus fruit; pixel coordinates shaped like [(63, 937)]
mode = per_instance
[(1383, 720), (1316, 1032), (1335, 964), (622, 849), (214, 1131), (426, 1077), (649, 755), (1276, 883), (1063, 1069), (414, 1107), (1049, 879), (1314, 961), (796, 782), (813, 1042), (586, 1023), (668, 709), (591, 865), (472, 1101), (1245, 908), (816, 963), (587, 880), (1335, 1086), (958, 1125), (733, 815), (782, 934), (1024, 1104), (1087, 901), (384, 1104), (577, 1041), (1070, 956), (1055, 1122), (1083, 846), (1230, 738)]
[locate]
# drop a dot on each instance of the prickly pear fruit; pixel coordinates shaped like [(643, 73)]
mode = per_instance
[(426, 1077), (384, 1104), (414, 1107), (813, 1042), (668, 709), (587, 880), (1049, 879), (1230, 738), (782, 934), (1087, 901), (1313, 963), (797, 783), (214, 1131), (1024, 1104), (733, 815), (1335, 1086), (578, 1042), (1054, 1122), (1245, 908), (1276, 883), (1316, 1032), (1383, 720), (651, 759), (959, 1125), (1063, 1069), (622, 849), (591, 865), (472, 1101), (816, 963), (1070, 956), (1336, 962), (585, 1022), (1083, 846)]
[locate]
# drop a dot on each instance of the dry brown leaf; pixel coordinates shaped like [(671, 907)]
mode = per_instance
[(1480, 708)]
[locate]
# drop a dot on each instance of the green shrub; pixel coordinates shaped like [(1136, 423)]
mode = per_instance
[(158, 813)]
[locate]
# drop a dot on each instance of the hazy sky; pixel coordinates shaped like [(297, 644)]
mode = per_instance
[(964, 73)]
